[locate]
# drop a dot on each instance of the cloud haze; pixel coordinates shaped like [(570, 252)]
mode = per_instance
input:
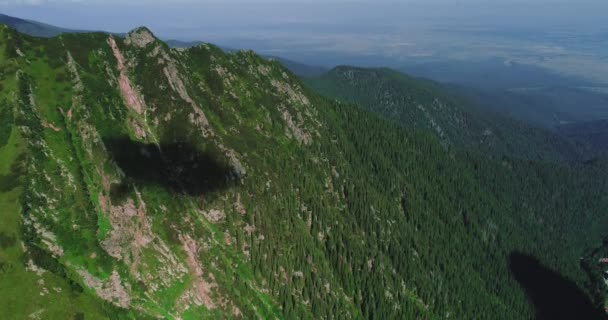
[(378, 32)]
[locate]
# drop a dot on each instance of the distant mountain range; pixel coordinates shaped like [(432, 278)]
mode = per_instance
[(34, 28), (529, 93)]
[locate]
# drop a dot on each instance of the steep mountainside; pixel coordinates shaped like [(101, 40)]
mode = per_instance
[(141, 181), (420, 103)]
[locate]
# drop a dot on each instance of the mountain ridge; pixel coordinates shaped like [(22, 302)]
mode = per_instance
[(39, 29)]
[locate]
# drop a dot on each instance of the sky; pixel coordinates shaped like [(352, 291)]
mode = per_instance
[(190, 18), (362, 32)]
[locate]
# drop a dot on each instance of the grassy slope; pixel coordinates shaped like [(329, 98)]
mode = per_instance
[(25, 292)]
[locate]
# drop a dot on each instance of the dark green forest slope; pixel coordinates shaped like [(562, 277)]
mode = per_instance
[(593, 134), (141, 181), (420, 103)]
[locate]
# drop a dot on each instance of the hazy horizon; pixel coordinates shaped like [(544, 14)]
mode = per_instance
[(193, 20), (556, 35)]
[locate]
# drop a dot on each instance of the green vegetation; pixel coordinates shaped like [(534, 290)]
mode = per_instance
[(321, 209), (6, 122), (420, 103), (24, 290)]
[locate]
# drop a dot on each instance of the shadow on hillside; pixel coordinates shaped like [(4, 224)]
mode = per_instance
[(553, 296), (179, 166)]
